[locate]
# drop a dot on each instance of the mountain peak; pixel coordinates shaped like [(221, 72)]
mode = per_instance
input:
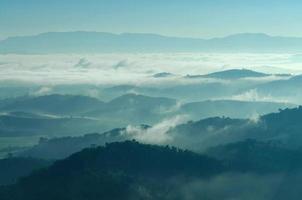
[(99, 42), (250, 35), (236, 74), (231, 74)]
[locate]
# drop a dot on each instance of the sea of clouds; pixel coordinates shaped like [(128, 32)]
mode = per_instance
[(136, 68)]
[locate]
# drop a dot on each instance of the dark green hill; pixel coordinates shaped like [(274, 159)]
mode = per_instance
[(284, 126), (262, 157), (126, 170), (13, 168), (55, 104), (232, 74)]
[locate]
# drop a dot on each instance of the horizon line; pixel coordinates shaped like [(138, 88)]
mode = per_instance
[(150, 33)]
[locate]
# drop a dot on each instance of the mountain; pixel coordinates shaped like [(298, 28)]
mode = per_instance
[(13, 168), (11, 90), (62, 147), (130, 170), (200, 135), (83, 106), (129, 100), (98, 42), (55, 104), (126, 170), (288, 89), (229, 108), (281, 127), (12, 125), (232, 74), (193, 135), (54, 115), (135, 109), (162, 75), (253, 155), (91, 42)]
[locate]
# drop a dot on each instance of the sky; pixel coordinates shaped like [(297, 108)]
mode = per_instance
[(185, 18)]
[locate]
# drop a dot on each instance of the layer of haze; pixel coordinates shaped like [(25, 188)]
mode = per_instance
[(136, 68)]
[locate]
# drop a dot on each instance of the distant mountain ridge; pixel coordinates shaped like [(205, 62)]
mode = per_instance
[(281, 129), (236, 73), (231, 74), (101, 42)]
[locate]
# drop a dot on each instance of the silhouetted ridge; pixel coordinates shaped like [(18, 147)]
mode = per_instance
[(203, 125), (99, 42), (258, 156), (55, 103), (231, 74), (13, 168), (135, 158), (116, 171)]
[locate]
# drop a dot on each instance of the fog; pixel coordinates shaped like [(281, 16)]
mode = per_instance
[(233, 187), (158, 134), (136, 68)]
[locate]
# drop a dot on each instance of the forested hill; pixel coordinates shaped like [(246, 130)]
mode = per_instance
[(116, 171)]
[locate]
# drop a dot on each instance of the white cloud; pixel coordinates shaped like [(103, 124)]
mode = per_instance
[(171, 109), (253, 95), (42, 91), (158, 133), (255, 118), (233, 187), (134, 68)]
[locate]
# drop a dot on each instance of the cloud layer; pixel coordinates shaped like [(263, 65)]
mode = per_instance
[(135, 68)]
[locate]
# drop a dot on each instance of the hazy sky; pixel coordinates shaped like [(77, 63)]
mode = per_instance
[(196, 18)]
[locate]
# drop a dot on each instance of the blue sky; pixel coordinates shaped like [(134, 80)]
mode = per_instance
[(186, 18)]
